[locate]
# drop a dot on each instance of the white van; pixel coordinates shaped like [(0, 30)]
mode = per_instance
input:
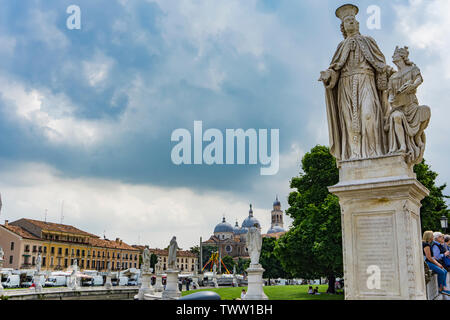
[(56, 281), (13, 281), (123, 281), (97, 281)]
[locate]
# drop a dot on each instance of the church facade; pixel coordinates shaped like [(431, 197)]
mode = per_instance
[(230, 240)]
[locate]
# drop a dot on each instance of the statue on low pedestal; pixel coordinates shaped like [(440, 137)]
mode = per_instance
[(172, 260)]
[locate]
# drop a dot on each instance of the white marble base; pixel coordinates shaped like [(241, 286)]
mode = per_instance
[(380, 213), (255, 284), (108, 283), (158, 283), (171, 292), (37, 280), (146, 285)]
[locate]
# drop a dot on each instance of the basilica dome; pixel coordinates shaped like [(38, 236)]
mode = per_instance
[(275, 229), (250, 221), (223, 227)]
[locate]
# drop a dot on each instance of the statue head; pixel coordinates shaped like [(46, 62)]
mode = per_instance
[(401, 54), (349, 25)]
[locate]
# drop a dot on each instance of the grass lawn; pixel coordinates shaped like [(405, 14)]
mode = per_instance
[(276, 293)]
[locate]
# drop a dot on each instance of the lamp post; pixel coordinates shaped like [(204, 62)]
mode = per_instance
[(444, 223)]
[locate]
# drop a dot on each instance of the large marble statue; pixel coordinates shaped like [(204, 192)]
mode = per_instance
[(2, 254), (356, 83), (146, 260), (254, 244), (172, 260), (406, 120)]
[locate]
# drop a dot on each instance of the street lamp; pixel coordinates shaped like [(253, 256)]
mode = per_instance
[(444, 223)]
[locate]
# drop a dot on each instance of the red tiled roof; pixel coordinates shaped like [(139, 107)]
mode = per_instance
[(111, 244), (20, 231), (276, 235), (50, 226), (180, 253)]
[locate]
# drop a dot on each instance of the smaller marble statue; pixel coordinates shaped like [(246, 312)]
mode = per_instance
[(234, 270), (38, 263), (146, 260), (195, 269), (173, 247), (214, 270), (254, 244), (407, 120), (158, 266)]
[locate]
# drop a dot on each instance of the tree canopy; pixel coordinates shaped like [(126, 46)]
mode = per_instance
[(433, 206), (313, 246)]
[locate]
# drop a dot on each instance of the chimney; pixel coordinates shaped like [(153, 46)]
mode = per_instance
[(117, 239), (6, 223)]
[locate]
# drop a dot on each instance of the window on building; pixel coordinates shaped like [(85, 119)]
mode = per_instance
[(44, 259), (51, 262), (40, 249), (10, 259), (45, 249), (67, 251), (52, 250), (12, 245), (59, 250), (34, 248), (27, 248), (73, 251), (82, 253), (87, 263), (78, 252)]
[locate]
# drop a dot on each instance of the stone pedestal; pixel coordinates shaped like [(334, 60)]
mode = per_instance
[(255, 283), (158, 283), (146, 285), (171, 292), (381, 233), (108, 283), (37, 280)]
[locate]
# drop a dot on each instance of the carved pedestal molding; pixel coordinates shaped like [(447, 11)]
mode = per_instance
[(380, 204)]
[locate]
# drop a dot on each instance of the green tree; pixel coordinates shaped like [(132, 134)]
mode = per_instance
[(229, 263), (153, 260), (270, 262), (313, 246), (433, 206), (195, 250), (242, 265)]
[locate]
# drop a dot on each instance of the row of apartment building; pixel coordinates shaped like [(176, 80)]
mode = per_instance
[(59, 245)]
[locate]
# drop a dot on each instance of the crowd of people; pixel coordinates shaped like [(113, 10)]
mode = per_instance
[(436, 251)]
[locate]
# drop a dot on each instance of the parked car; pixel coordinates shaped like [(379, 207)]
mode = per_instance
[(13, 281)]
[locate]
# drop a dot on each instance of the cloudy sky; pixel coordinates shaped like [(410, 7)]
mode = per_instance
[(86, 115)]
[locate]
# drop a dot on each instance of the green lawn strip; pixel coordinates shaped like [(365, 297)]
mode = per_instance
[(276, 293)]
